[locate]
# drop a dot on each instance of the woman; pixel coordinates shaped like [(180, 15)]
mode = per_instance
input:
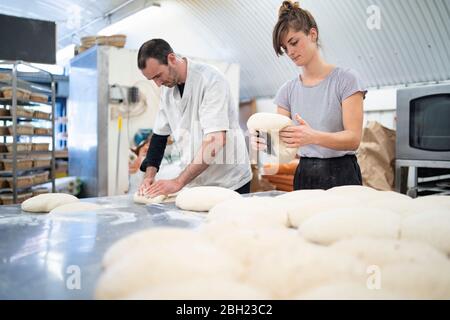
[(326, 101)]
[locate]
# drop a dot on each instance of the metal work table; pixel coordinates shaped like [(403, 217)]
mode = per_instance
[(42, 254)]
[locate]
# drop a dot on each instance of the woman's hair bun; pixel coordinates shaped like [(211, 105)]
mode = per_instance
[(286, 7)]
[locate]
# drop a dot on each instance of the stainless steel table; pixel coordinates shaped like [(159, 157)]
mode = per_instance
[(41, 255)]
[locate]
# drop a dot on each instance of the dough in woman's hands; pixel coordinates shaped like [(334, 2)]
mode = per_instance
[(147, 200), (343, 223), (204, 198), (272, 123), (47, 202), (76, 207)]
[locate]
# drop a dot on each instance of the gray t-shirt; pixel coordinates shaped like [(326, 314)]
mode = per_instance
[(320, 105)]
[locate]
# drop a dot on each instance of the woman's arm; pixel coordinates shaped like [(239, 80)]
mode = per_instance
[(348, 139)]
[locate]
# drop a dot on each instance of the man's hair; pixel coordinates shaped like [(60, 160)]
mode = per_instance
[(157, 49)]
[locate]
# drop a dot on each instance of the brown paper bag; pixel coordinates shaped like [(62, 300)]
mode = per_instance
[(376, 156)]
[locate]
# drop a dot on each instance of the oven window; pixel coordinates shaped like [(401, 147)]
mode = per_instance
[(430, 123)]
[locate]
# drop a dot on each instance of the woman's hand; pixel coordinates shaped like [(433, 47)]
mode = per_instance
[(299, 135), (258, 144)]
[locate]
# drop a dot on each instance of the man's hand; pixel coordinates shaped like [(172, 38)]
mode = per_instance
[(149, 178), (300, 135), (164, 187)]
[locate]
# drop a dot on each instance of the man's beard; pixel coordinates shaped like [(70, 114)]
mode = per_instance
[(173, 76)]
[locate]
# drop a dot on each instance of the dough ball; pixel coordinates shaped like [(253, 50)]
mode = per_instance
[(272, 123), (404, 207), (76, 207), (361, 193), (147, 200), (347, 291), (301, 195), (432, 227), (290, 272), (343, 223), (417, 280), (153, 237), (300, 210), (381, 252), (247, 244), (47, 202), (202, 289), (253, 212), (165, 265), (204, 198)]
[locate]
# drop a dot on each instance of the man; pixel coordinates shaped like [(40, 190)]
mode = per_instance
[(197, 109)]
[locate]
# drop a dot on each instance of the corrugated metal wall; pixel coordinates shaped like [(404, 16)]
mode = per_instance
[(411, 46)]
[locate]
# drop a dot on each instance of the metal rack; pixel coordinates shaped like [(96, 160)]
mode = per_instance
[(15, 83)]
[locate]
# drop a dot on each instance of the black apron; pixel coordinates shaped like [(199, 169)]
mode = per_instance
[(317, 173)]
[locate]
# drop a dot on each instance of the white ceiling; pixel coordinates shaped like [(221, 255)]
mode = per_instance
[(411, 46)]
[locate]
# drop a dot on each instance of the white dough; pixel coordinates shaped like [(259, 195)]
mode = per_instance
[(361, 193), (272, 123), (204, 198), (300, 195), (164, 265), (441, 201), (47, 202), (343, 223), (290, 272), (381, 252), (248, 244), (252, 212), (76, 207), (301, 210), (153, 237), (432, 227), (417, 280), (202, 289), (147, 200), (347, 291)]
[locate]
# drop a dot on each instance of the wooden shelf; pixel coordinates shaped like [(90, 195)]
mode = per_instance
[(25, 170)]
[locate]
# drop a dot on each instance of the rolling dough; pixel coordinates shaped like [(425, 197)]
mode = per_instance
[(432, 227), (147, 200), (47, 202), (382, 252), (272, 123), (203, 198), (166, 264), (343, 223), (253, 212), (202, 289), (153, 237), (76, 206), (290, 272)]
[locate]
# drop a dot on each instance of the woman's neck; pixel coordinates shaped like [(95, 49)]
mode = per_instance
[(316, 68)]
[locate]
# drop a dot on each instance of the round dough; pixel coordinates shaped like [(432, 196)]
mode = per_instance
[(47, 202), (253, 212), (147, 200), (343, 223), (153, 237), (301, 210), (347, 291), (381, 252), (301, 195), (432, 227), (362, 193), (164, 265), (76, 207), (202, 289), (204, 198), (441, 201), (272, 123), (417, 280), (290, 272), (248, 244), (402, 206)]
